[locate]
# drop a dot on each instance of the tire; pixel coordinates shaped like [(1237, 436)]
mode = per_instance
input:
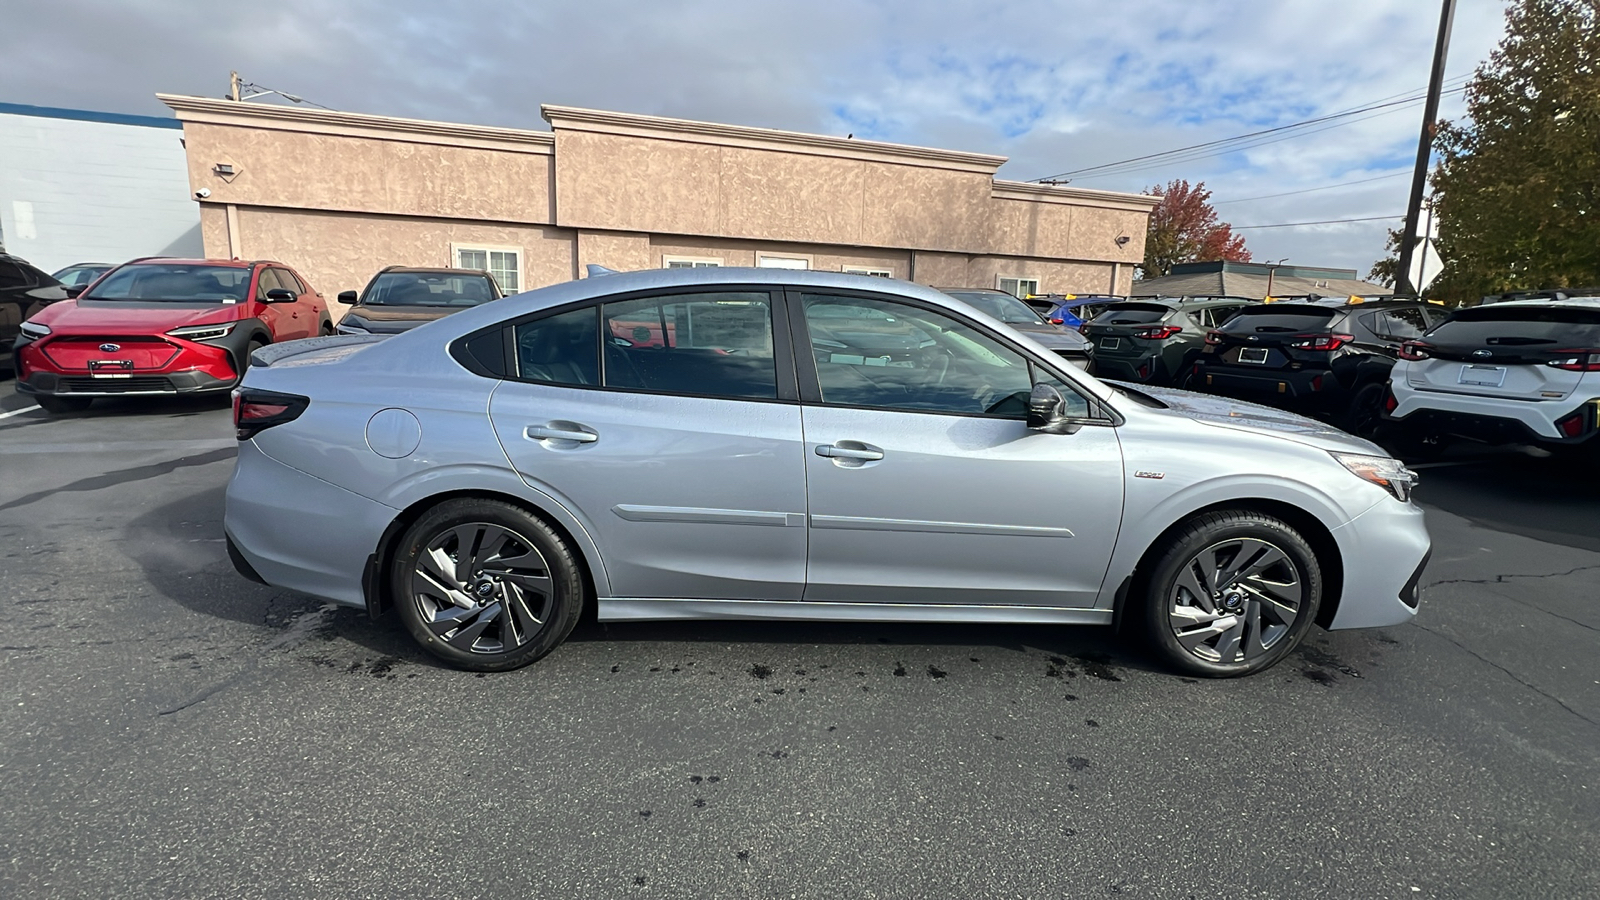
[(326, 330), (1365, 414), (58, 405), (523, 581), (252, 347), (1234, 630)]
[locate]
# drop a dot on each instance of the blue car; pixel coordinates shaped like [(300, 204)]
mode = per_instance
[(1073, 311)]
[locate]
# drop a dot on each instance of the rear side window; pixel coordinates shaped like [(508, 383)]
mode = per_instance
[(1132, 314), (1277, 319), (1555, 327), (13, 276), (710, 345), (560, 349), (1400, 324)]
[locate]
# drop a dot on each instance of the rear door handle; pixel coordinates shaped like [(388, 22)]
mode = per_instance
[(576, 434), (864, 451)]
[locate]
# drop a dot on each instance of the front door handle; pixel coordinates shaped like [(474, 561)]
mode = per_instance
[(575, 433), (837, 451)]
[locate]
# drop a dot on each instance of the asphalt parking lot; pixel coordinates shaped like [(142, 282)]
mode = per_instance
[(173, 730)]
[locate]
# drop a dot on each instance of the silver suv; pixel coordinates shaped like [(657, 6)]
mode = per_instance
[(766, 444), (1523, 371)]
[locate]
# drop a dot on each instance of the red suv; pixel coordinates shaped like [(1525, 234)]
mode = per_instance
[(163, 326)]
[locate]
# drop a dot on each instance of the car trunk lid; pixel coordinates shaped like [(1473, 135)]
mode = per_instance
[(1525, 353), (1266, 337)]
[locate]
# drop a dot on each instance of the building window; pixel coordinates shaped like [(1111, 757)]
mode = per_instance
[(865, 270), (504, 263), (1019, 287), (690, 262), (767, 261)]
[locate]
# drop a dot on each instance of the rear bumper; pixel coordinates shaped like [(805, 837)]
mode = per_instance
[(294, 531), (1384, 551), (1493, 420), (1314, 386)]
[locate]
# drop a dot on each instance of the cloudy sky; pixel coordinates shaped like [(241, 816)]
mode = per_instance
[(1056, 86)]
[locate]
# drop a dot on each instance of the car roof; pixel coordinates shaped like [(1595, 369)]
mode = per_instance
[(182, 261), (1581, 302), (430, 270)]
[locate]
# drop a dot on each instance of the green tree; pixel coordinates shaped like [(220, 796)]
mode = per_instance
[(1184, 228), (1517, 189)]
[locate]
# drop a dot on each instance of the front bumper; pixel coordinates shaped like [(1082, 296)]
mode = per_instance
[(1384, 551), (83, 385)]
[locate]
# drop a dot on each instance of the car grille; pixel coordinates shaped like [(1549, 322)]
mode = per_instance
[(136, 384)]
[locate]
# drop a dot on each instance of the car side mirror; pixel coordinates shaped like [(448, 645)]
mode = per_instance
[(281, 295), (73, 290), (1047, 412), (347, 297)]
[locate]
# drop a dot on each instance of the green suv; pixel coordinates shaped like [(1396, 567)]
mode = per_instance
[(1156, 340)]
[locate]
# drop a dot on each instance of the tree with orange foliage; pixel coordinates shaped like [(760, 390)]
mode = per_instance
[(1184, 228)]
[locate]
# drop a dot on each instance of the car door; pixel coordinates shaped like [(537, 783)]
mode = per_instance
[(924, 483), (300, 316), (669, 424)]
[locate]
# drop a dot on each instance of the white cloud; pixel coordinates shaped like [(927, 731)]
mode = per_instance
[(1054, 85)]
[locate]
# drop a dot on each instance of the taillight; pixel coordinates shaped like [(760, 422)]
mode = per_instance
[(1321, 341), (1390, 401), (1577, 361), (1158, 333), (1058, 321), (1213, 337), (255, 410), (1414, 351)]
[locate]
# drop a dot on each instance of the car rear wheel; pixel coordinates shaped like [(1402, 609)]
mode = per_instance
[(486, 586), (1366, 411), (1231, 594), (58, 405)]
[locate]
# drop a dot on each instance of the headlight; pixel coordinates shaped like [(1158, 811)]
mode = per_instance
[(350, 329), (202, 332), (34, 331), (1383, 471)]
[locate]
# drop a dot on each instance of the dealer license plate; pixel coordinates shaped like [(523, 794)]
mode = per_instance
[(1255, 355), (1110, 343)]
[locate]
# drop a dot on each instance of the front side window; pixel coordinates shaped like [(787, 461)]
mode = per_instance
[(174, 282), (288, 282), (712, 345), (883, 354)]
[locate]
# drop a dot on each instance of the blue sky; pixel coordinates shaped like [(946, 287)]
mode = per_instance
[(1055, 86)]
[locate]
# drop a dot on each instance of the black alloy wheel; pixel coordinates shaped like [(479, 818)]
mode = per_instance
[(1365, 414), (484, 585)]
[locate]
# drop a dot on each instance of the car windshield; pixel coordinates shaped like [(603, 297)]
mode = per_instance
[(1277, 319), (428, 289), (174, 283), (1132, 314), (1004, 307), (1510, 326)]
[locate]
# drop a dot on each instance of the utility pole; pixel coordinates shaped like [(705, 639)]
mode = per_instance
[(1419, 178), (233, 86)]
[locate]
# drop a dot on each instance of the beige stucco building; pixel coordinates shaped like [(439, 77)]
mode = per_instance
[(339, 195)]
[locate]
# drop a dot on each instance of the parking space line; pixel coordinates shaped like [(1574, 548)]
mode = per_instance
[(18, 412)]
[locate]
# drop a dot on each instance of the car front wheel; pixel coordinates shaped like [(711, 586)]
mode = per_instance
[(1231, 593), (484, 585)]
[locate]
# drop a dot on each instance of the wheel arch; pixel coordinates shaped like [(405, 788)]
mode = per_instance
[(375, 577), (1317, 534)]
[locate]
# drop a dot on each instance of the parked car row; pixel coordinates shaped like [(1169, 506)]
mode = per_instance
[(189, 326)]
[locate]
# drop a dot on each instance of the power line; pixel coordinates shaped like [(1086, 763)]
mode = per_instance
[(1322, 222), (1403, 100), (1326, 187)]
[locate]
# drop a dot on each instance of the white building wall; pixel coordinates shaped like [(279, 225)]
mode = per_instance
[(90, 191)]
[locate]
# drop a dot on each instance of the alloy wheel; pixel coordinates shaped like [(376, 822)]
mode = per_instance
[(482, 588), (1235, 600)]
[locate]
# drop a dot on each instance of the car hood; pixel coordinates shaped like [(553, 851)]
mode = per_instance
[(131, 316), (1052, 337), (1252, 417), (395, 319)]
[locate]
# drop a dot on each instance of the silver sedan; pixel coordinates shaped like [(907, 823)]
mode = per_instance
[(764, 444)]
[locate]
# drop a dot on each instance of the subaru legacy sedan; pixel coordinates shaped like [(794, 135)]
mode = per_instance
[(762, 444)]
